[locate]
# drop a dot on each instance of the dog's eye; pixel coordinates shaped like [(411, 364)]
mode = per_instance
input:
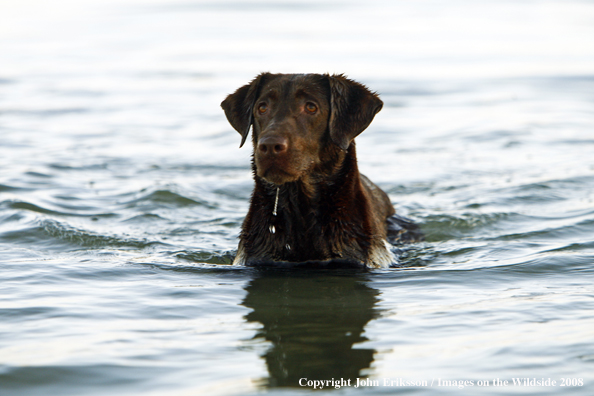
[(311, 107), (262, 108)]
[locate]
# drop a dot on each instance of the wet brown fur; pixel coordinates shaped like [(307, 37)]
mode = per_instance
[(326, 209)]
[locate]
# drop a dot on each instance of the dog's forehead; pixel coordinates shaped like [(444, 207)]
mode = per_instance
[(295, 84)]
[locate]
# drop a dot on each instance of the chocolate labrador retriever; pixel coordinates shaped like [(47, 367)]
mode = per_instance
[(310, 203)]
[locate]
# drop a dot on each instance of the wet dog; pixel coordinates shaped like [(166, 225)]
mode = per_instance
[(310, 203)]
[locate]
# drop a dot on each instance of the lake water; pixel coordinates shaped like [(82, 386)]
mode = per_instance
[(122, 191)]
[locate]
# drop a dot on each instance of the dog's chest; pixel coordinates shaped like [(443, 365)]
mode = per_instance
[(307, 233)]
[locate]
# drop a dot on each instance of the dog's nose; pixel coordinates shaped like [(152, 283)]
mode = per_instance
[(271, 145)]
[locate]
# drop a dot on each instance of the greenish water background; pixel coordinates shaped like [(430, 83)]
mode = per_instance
[(122, 190)]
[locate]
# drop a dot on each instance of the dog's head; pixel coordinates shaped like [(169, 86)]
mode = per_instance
[(296, 116)]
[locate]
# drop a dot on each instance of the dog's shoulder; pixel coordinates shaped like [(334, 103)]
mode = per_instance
[(380, 200)]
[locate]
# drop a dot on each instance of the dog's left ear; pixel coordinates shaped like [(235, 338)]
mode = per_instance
[(239, 106), (352, 108)]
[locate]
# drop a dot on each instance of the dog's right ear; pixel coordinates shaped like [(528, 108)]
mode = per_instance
[(239, 106)]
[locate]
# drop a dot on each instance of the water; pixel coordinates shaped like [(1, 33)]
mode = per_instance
[(122, 191)]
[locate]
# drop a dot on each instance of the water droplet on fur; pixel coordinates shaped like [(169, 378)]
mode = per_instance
[(288, 247), (272, 229)]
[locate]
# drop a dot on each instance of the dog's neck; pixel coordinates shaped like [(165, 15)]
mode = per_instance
[(314, 217)]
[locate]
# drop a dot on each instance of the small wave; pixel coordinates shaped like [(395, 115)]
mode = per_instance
[(67, 167), (413, 188), (573, 247), (21, 205), (76, 379), (167, 198), (143, 218), (27, 312), (88, 239), (207, 257), (28, 206), (582, 229), (415, 255), (6, 188), (546, 263), (55, 231), (39, 175), (445, 227), (543, 192)]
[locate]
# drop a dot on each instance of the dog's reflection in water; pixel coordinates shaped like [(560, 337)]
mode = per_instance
[(313, 318)]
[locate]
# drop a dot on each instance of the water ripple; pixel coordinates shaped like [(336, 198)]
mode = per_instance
[(49, 232), (6, 188), (206, 257), (28, 206), (446, 226), (168, 198)]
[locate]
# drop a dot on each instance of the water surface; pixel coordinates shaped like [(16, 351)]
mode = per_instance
[(122, 191)]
